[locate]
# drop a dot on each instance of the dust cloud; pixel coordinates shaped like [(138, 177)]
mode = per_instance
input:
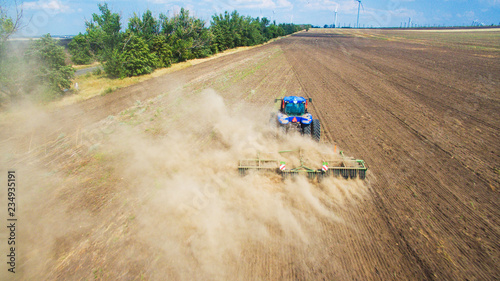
[(158, 196), (201, 215)]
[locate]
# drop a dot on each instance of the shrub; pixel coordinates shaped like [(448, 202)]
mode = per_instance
[(79, 48)]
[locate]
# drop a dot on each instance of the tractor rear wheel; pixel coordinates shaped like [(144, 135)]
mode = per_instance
[(316, 130), (306, 129)]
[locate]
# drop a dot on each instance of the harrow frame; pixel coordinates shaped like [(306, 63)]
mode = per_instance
[(346, 167)]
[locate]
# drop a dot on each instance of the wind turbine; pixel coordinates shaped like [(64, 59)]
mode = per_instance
[(335, 23), (359, 5)]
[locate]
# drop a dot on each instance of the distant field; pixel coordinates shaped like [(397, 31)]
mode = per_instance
[(485, 39)]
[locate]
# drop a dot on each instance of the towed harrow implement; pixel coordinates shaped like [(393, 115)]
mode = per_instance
[(346, 167)]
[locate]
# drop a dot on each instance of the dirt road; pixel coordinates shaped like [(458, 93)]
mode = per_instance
[(141, 182)]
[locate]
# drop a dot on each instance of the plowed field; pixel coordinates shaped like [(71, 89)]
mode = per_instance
[(142, 183)]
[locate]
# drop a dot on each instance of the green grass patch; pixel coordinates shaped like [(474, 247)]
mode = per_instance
[(108, 90)]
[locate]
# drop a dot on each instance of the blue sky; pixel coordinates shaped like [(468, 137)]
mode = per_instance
[(67, 17)]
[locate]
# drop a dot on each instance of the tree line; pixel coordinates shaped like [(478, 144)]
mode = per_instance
[(149, 42), (39, 69)]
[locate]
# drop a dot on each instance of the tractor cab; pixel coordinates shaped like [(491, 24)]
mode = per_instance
[(294, 106), (293, 115)]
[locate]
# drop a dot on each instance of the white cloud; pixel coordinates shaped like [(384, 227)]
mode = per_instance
[(52, 6), (218, 6), (160, 1), (467, 15), (343, 6), (402, 13), (284, 3), (260, 4), (491, 2)]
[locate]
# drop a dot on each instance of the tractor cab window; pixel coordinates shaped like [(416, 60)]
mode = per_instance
[(296, 109)]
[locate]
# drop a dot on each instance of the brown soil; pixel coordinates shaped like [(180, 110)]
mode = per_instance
[(424, 117)]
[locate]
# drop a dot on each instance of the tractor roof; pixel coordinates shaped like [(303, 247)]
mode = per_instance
[(294, 98)]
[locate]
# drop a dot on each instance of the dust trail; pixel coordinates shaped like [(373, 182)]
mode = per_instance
[(201, 214), (159, 195)]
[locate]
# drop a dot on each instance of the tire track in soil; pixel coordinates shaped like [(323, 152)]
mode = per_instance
[(419, 135), (324, 125), (448, 189), (312, 89), (326, 131), (311, 78), (440, 105), (312, 61)]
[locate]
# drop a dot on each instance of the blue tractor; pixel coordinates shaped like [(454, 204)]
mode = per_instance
[(293, 116)]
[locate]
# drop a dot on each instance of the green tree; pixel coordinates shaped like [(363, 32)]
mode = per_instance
[(137, 58), (114, 66), (6, 27), (230, 30), (147, 28), (9, 25), (254, 33), (271, 32), (233, 30), (220, 27), (104, 32), (188, 36), (79, 49), (48, 70), (292, 28), (264, 22), (161, 51), (281, 31)]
